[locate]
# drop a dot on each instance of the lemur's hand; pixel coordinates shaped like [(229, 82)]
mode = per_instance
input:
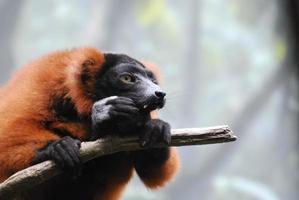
[(114, 111), (155, 131), (64, 152)]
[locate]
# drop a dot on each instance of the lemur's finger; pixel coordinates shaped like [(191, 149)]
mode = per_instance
[(145, 138), (57, 158), (101, 103), (72, 150), (120, 114), (156, 135), (126, 108), (63, 157), (121, 100), (69, 160), (166, 134), (78, 143)]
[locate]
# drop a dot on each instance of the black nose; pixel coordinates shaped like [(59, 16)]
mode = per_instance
[(160, 94)]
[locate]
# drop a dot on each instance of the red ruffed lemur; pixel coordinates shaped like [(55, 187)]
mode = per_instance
[(54, 103)]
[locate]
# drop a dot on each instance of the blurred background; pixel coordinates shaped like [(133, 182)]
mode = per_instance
[(229, 62)]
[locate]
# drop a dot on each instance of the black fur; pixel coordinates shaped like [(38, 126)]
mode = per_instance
[(64, 152), (92, 182), (126, 116), (151, 158), (112, 59), (155, 130), (85, 74), (56, 131), (64, 109)]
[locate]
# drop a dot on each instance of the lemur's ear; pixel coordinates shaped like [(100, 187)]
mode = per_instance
[(152, 67), (89, 68), (84, 64)]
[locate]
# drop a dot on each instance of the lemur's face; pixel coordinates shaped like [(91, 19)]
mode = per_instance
[(124, 76)]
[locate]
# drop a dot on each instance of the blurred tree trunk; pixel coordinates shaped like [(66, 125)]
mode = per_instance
[(9, 11), (191, 65), (291, 9), (114, 25), (290, 23), (290, 111), (192, 83), (290, 115)]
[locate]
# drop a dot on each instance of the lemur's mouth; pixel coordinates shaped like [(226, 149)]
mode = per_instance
[(152, 105)]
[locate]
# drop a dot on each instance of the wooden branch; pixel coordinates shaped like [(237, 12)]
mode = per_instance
[(39, 173)]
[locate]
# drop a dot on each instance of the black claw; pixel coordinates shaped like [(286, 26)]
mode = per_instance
[(156, 136), (156, 131), (146, 137), (166, 134), (143, 143)]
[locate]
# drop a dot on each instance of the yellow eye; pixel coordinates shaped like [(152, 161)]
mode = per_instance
[(127, 78)]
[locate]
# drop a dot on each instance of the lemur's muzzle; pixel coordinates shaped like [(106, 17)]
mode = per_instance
[(155, 101)]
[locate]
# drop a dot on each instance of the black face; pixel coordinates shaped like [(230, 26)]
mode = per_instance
[(124, 76)]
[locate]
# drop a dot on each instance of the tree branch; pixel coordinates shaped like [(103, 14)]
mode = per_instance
[(44, 171)]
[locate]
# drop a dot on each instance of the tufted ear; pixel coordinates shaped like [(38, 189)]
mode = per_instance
[(84, 64), (89, 69)]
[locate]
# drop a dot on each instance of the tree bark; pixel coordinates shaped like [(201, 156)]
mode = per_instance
[(39, 173)]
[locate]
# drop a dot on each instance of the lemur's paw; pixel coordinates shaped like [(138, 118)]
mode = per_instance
[(65, 153), (113, 108), (156, 131)]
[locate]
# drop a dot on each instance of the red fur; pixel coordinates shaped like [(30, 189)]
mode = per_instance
[(158, 177), (24, 106), (118, 182)]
